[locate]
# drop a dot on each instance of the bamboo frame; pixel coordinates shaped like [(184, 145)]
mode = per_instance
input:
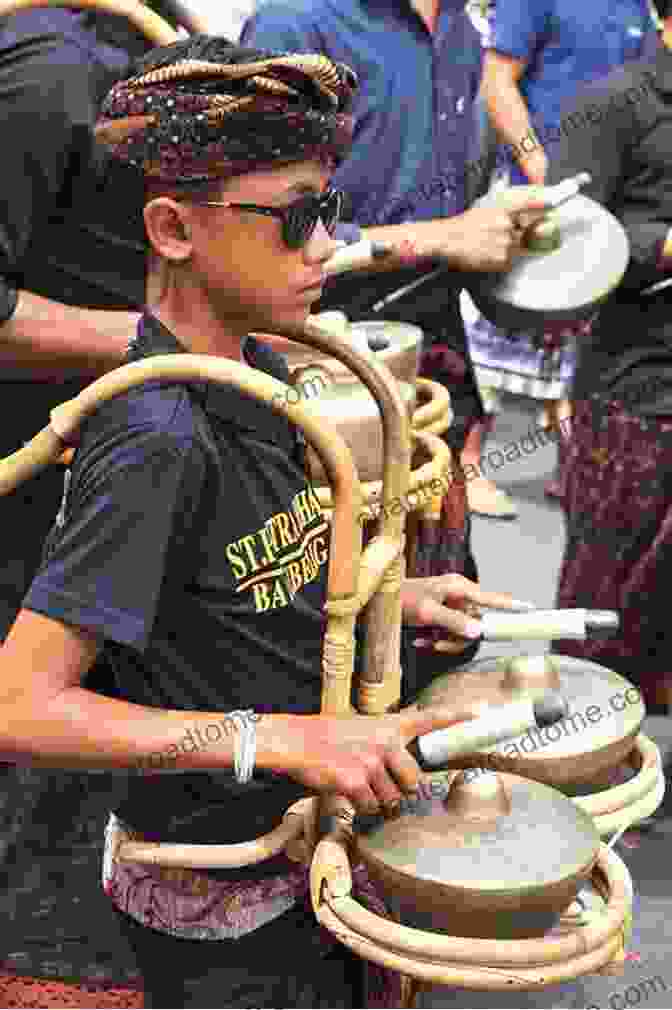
[(329, 446), (439, 467), (380, 684), (194, 857), (435, 416), (356, 578), (491, 965), (427, 423), (626, 804), (147, 21)]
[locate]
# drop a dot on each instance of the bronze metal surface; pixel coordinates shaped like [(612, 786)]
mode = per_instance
[(481, 854), (355, 415), (401, 357), (338, 396), (567, 283), (606, 713)]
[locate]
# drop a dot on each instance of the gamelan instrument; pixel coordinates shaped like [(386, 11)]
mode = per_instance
[(468, 843), (497, 857), (570, 263), (435, 505), (597, 754), (343, 400)]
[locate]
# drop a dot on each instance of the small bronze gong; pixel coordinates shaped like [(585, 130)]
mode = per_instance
[(480, 854), (606, 713), (339, 397), (571, 265)]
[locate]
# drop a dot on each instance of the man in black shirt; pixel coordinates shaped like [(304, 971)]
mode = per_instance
[(191, 550), (71, 271), (619, 527), (72, 278)]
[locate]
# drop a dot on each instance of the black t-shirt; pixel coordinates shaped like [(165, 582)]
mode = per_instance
[(191, 541), (61, 236), (620, 131)]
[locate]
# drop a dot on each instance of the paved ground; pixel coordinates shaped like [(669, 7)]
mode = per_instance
[(523, 557)]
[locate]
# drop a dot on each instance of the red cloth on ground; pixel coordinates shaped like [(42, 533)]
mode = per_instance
[(16, 991)]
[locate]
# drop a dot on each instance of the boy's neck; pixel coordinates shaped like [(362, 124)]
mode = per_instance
[(198, 330)]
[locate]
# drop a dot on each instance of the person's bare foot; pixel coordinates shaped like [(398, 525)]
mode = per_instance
[(486, 499)]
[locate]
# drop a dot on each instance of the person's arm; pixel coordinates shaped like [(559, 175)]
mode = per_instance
[(478, 240), (483, 238), (44, 339), (46, 112), (48, 720), (131, 507), (519, 27)]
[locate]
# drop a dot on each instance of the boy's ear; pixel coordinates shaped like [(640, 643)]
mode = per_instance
[(167, 230)]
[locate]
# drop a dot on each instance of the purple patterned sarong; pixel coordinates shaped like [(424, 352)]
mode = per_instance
[(618, 555), (190, 905)]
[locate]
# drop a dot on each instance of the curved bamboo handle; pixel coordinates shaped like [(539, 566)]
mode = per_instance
[(330, 447), (346, 544), (436, 415), (380, 681), (621, 807), (482, 978), (147, 21), (439, 468), (195, 857), (345, 554), (645, 756)]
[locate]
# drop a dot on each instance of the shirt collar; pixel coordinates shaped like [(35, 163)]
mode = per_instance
[(226, 402)]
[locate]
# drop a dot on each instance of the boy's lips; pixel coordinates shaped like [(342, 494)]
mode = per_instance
[(313, 285)]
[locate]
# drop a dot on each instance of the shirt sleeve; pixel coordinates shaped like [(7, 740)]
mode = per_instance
[(519, 27), (596, 135), (278, 26), (46, 111), (123, 528)]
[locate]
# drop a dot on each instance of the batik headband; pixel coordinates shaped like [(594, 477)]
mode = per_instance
[(196, 120)]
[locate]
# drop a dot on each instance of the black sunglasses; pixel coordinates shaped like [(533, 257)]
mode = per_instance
[(299, 220)]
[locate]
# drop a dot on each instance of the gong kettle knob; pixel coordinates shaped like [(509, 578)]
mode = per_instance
[(545, 235)]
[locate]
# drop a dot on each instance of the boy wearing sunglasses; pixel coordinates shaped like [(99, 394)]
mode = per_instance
[(191, 551)]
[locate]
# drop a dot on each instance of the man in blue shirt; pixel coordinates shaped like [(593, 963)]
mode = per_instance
[(540, 52), (418, 77)]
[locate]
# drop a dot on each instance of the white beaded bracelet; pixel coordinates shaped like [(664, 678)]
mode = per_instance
[(245, 745)]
